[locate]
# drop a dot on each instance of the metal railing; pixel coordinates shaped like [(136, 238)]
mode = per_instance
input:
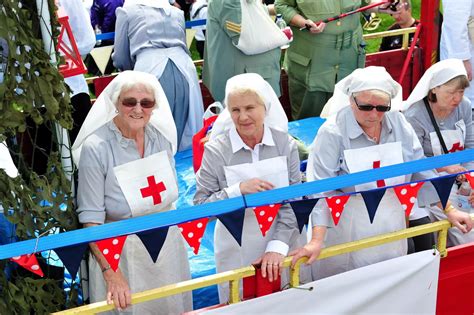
[(234, 276)]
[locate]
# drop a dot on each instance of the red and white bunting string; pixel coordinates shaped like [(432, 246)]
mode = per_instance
[(193, 231), (265, 216), (29, 262), (336, 206), (111, 248), (407, 195)]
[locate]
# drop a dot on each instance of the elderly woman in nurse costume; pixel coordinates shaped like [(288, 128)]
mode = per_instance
[(250, 151), (441, 92), (364, 131), (129, 137)]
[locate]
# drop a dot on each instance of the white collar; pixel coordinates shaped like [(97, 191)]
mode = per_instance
[(237, 143)]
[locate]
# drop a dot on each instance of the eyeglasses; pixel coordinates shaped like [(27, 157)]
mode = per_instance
[(368, 107), (132, 102)]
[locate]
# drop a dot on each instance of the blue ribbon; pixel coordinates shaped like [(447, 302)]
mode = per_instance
[(169, 218)]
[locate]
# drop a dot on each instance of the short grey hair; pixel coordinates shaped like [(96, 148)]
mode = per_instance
[(247, 90)]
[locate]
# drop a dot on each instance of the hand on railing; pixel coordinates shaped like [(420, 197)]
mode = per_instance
[(118, 290), (459, 219), (272, 264), (310, 250)]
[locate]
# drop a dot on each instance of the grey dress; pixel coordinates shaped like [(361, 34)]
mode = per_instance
[(140, 28), (100, 200), (211, 185), (460, 123)]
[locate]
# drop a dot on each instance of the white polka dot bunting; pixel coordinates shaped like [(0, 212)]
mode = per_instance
[(29, 262), (111, 248), (193, 231), (336, 206), (265, 216), (407, 195)]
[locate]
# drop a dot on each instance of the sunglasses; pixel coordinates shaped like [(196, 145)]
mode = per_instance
[(132, 102), (368, 107)]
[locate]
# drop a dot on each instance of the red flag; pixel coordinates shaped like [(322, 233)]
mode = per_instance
[(265, 216), (111, 248), (407, 195), (470, 178), (193, 231), (29, 262), (336, 206)]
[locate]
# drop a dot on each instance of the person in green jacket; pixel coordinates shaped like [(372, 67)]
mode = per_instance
[(223, 60), (322, 54)]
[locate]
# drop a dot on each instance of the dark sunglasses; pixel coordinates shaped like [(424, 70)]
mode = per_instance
[(132, 102), (368, 107)]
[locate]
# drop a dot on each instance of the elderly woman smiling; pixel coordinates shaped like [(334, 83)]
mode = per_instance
[(249, 152), (438, 102), (365, 131), (129, 137)]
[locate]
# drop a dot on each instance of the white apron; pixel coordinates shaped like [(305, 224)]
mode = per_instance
[(159, 58), (454, 140), (172, 265), (354, 223), (228, 254)]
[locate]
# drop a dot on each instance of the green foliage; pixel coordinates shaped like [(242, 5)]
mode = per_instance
[(34, 90)]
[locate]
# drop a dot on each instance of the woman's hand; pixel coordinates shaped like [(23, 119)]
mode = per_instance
[(271, 263), (315, 28), (310, 250), (118, 291), (254, 185), (460, 219), (452, 169)]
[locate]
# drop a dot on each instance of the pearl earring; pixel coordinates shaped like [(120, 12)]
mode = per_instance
[(116, 111)]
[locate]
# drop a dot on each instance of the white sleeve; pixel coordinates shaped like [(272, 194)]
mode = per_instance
[(454, 34)]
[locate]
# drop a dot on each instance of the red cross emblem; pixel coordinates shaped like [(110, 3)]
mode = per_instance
[(456, 147), (380, 182), (154, 189)]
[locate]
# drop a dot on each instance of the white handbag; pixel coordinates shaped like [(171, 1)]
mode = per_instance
[(258, 33)]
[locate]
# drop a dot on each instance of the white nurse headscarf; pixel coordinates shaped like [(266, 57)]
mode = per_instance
[(438, 74), (104, 109), (275, 116), (370, 78)]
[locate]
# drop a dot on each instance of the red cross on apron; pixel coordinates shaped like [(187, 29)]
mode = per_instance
[(154, 189), (380, 182), (456, 147)]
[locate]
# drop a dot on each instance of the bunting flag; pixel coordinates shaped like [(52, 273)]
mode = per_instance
[(153, 241), (336, 206), (234, 222), (265, 216), (407, 195), (71, 257), (193, 231), (372, 200), (111, 248), (29, 262), (302, 210), (443, 186), (470, 178)]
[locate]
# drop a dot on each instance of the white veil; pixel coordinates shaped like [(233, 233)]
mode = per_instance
[(275, 116)]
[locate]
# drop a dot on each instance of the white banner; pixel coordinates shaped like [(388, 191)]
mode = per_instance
[(405, 285)]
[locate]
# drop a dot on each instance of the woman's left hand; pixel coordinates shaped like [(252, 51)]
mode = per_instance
[(254, 185), (271, 263)]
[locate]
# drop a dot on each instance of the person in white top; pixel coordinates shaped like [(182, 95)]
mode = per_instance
[(457, 35)]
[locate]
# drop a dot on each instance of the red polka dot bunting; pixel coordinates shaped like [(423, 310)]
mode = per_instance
[(111, 248), (193, 231), (470, 178), (336, 206), (29, 262), (407, 195), (265, 216)]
